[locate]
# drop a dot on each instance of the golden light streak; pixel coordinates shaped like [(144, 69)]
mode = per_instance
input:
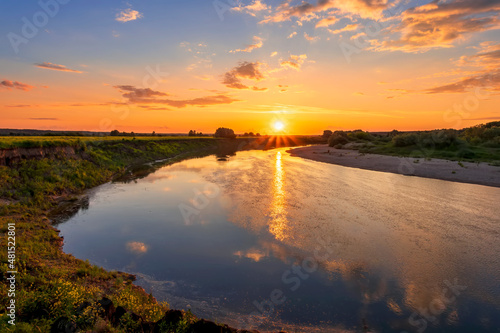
[(279, 222)]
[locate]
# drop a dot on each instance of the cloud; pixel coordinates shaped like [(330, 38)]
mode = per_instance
[(148, 96), (486, 73), (275, 53), (252, 9), (489, 80), (128, 15), (349, 27), (440, 25), (62, 68), (257, 44), (311, 38), (154, 108), (362, 8), (137, 247), (326, 22), (293, 34), (15, 85), (136, 95), (244, 70), (294, 62)]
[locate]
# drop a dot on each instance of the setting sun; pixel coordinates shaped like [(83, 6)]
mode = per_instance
[(278, 125)]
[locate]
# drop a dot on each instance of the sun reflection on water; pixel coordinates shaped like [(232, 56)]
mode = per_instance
[(278, 214)]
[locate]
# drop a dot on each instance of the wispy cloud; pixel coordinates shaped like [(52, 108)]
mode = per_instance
[(43, 118), (147, 96), (306, 10), (257, 44), (252, 9), (311, 38), (326, 22), (128, 15), (349, 27), (439, 24), (294, 61), (56, 67), (7, 84)]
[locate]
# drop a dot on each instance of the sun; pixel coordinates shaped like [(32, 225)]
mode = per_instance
[(278, 125)]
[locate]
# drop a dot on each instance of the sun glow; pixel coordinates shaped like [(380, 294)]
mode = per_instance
[(278, 125)]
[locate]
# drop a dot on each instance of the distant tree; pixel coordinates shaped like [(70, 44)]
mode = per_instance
[(393, 133), (245, 134), (327, 134), (223, 132), (191, 133), (115, 133), (251, 134), (258, 134), (338, 138), (153, 134)]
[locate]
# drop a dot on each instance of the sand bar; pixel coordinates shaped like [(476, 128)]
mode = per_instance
[(473, 173)]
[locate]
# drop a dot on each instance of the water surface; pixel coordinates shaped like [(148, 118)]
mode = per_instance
[(269, 241)]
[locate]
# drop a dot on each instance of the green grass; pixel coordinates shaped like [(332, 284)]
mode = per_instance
[(59, 141), (465, 152)]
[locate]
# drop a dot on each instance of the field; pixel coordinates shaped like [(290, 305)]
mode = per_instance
[(59, 141)]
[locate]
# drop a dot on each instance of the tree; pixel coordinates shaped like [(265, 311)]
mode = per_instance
[(338, 138), (153, 134), (115, 133), (327, 134), (223, 132)]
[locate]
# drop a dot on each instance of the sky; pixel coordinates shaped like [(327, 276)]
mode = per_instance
[(171, 66)]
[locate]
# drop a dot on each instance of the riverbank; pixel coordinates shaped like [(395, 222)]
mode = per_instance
[(54, 292), (464, 172)]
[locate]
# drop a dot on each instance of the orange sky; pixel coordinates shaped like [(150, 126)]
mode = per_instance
[(373, 65)]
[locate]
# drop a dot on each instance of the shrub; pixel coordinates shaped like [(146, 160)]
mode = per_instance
[(404, 140), (338, 137), (361, 135), (491, 133), (440, 139)]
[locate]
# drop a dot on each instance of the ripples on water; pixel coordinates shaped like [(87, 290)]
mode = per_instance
[(337, 249)]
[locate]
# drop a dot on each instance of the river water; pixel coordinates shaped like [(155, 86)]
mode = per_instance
[(268, 241)]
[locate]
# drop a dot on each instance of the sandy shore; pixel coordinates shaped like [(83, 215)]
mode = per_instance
[(474, 173)]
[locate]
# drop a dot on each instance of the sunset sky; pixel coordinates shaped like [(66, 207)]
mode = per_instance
[(176, 65)]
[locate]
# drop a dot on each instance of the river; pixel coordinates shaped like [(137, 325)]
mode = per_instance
[(267, 241)]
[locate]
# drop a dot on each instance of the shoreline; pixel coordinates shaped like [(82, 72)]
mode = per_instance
[(462, 172)]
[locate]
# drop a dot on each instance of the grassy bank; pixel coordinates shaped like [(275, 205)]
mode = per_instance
[(480, 143), (54, 290)]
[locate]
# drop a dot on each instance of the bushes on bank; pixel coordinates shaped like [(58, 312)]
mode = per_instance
[(338, 138)]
